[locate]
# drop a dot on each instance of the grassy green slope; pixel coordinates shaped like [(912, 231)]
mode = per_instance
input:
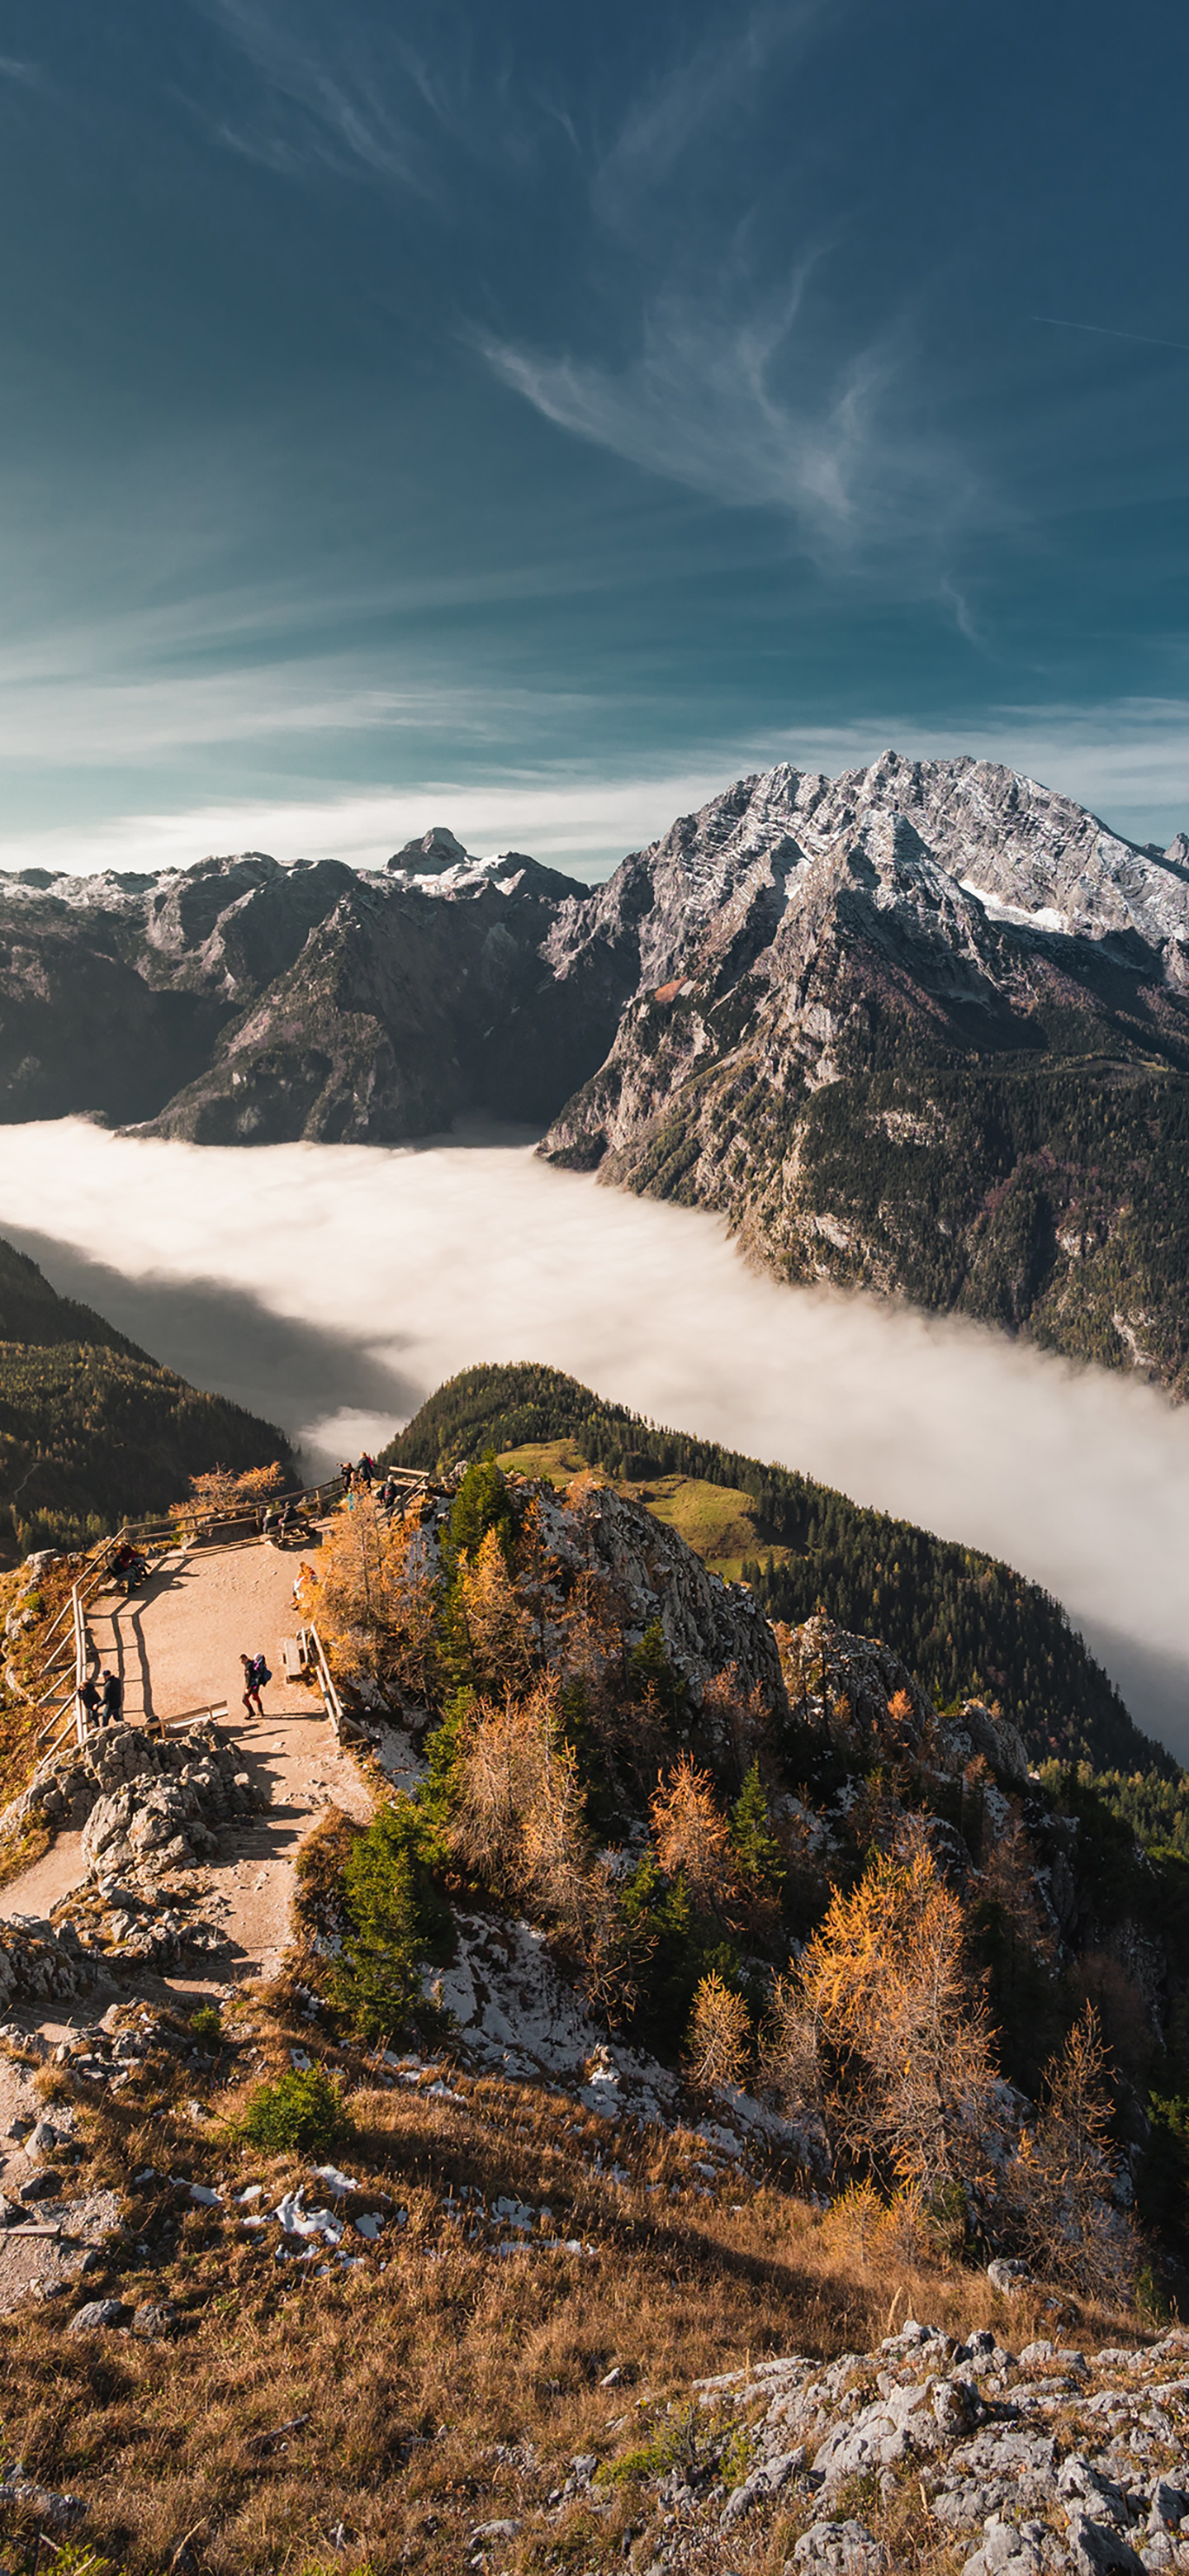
[(966, 1623)]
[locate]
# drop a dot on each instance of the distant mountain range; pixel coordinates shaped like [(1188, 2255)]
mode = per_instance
[(923, 1028)]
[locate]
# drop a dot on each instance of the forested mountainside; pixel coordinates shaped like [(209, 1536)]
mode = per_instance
[(93, 1431), (923, 1028), (761, 1853), (964, 1623)]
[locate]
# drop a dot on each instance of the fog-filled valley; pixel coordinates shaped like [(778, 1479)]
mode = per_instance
[(331, 1288)]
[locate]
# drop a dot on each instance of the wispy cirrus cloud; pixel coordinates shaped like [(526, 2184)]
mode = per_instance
[(724, 402), (739, 381), (345, 104)]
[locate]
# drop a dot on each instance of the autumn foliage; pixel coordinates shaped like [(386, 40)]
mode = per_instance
[(548, 1720)]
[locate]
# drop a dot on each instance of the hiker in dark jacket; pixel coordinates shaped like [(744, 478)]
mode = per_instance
[(113, 1699), (256, 1674), (91, 1701)]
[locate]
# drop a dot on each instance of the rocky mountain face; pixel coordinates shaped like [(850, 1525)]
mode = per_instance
[(240, 1002), (922, 1028)]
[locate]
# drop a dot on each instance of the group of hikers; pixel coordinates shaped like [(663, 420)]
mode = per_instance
[(103, 1699), (362, 1478)]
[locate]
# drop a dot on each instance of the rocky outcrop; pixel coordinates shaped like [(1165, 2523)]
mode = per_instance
[(857, 1690), (1034, 2462), (707, 1624), (151, 1811)]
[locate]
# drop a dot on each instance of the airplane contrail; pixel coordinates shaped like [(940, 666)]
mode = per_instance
[(1103, 331)]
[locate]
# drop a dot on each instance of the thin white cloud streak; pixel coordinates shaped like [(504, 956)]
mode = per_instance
[(349, 116), (673, 115), (1128, 762), (725, 403), (1079, 1478)]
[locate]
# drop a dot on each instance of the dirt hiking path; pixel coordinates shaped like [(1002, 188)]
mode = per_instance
[(176, 1645)]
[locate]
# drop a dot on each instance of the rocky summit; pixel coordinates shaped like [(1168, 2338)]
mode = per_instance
[(923, 1028)]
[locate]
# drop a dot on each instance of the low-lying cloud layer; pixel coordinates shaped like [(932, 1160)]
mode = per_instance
[(334, 1286)]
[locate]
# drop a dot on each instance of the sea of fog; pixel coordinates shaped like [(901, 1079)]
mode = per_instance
[(331, 1287)]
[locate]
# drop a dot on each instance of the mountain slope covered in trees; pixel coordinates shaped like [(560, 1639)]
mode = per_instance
[(965, 1623), (762, 1854), (92, 1430)]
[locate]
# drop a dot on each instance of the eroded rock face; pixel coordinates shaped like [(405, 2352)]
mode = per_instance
[(831, 977), (151, 1810)]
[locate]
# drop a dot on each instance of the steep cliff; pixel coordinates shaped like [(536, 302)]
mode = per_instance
[(923, 1028)]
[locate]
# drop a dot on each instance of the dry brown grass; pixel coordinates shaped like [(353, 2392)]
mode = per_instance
[(411, 2371), (25, 1843)]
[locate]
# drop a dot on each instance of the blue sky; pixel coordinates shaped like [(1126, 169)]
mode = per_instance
[(530, 418)]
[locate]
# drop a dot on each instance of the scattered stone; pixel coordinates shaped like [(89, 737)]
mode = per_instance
[(97, 2316), (155, 2319), (45, 2185), (58, 2510), (1016, 2549), (765, 2480), (1009, 2276), (839, 2549), (1078, 2484), (1169, 2506), (1098, 2550)]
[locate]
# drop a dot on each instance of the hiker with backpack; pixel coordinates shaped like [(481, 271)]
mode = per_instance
[(256, 1674)]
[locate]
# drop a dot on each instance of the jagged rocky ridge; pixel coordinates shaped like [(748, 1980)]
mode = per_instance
[(923, 1028)]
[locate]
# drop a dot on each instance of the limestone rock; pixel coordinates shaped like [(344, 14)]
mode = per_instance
[(98, 2316), (839, 2549)]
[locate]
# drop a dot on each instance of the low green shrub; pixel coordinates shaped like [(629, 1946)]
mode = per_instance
[(301, 2111)]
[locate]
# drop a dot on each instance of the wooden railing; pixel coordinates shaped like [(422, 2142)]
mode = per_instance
[(63, 1698)]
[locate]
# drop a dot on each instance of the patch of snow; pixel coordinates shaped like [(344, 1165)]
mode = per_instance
[(1045, 917), (334, 2180)]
